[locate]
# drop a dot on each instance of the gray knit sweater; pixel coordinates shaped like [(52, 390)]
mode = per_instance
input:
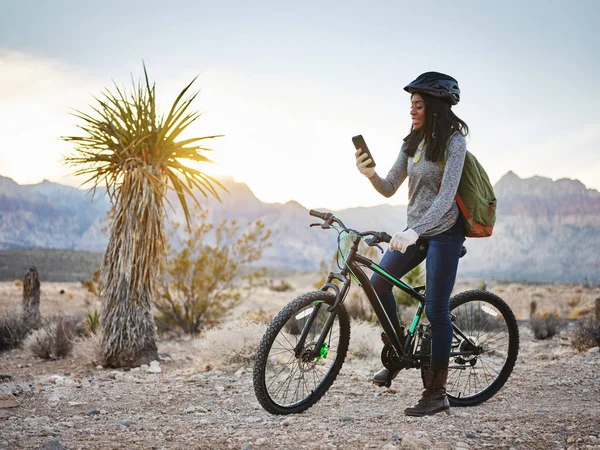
[(429, 213)]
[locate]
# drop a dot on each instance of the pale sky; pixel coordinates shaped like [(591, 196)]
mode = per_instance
[(289, 84)]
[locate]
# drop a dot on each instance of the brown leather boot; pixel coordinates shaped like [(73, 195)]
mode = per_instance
[(434, 399)]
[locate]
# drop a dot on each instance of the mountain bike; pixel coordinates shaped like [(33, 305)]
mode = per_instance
[(304, 347)]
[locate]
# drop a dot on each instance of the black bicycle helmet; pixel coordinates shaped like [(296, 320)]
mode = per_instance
[(436, 84)]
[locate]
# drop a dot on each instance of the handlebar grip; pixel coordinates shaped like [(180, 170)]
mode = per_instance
[(386, 237), (318, 214)]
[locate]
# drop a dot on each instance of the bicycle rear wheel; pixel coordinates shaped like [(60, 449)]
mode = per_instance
[(490, 343), (288, 379)]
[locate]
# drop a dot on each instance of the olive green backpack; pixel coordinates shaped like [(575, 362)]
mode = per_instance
[(475, 196)]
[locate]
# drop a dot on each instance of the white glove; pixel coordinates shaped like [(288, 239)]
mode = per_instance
[(362, 161), (403, 239)]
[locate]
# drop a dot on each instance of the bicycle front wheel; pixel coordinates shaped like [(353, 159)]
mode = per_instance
[(288, 379), (486, 344)]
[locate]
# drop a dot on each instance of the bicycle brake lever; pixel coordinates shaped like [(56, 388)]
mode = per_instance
[(371, 243)]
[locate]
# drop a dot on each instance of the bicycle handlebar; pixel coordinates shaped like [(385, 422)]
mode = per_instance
[(378, 236)]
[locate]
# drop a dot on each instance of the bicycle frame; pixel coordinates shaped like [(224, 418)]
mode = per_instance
[(353, 269)]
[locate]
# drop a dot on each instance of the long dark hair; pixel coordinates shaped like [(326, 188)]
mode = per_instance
[(440, 123)]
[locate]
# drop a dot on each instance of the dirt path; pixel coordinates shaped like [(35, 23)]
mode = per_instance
[(551, 401)]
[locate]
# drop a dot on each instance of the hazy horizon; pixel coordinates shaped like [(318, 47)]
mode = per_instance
[(226, 177), (289, 85)]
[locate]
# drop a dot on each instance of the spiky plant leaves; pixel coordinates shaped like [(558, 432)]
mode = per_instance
[(133, 151)]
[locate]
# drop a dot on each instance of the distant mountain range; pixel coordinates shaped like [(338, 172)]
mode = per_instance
[(546, 230)]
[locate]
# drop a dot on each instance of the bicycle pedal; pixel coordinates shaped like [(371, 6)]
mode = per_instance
[(386, 384)]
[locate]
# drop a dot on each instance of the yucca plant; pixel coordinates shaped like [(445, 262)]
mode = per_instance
[(135, 152)]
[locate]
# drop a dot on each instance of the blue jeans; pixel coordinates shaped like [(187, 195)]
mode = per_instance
[(442, 252)]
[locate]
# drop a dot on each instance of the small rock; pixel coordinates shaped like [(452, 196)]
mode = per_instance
[(261, 441), (239, 373), (154, 367), (53, 399), (99, 367), (56, 379), (144, 367), (347, 419), (594, 350), (93, 412), (389, 446), (471, 435), (414, 443), (77, 403), (287, 422), (8, 401), (52, 445), (396, 437), (135, 370), (164, 357), (127, 423)]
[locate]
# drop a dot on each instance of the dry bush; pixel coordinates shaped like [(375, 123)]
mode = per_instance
[(259, 316), (202, 282), (365, 340), (573, 301), (581, 311), (231, 344), (358, 306), (18, 283), (283, 286), (586, 334), (546, 325), (13, 331), (88, 348), (54, 340)]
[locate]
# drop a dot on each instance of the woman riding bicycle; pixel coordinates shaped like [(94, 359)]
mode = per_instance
[(435, 230)]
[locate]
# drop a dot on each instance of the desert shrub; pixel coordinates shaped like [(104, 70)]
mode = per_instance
[(366, 340), (92, 322), (574, 300), (581, 311), (415, 278), (203, 281), (586, 334), (358, 307), (13, 331), (217, 345), (546, 325), (88, 348), (18, 283), (259, 316), (54, 340), (482, 286), (93, 286), (283, 286)]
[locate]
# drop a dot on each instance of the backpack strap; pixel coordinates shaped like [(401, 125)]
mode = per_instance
[(442, 164)]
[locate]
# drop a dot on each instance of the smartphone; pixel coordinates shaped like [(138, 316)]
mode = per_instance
[(359, 142)]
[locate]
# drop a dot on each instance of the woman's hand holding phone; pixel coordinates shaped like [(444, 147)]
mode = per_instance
[(362, 161)]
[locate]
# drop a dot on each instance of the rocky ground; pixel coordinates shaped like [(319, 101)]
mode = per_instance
[(551, 401)]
